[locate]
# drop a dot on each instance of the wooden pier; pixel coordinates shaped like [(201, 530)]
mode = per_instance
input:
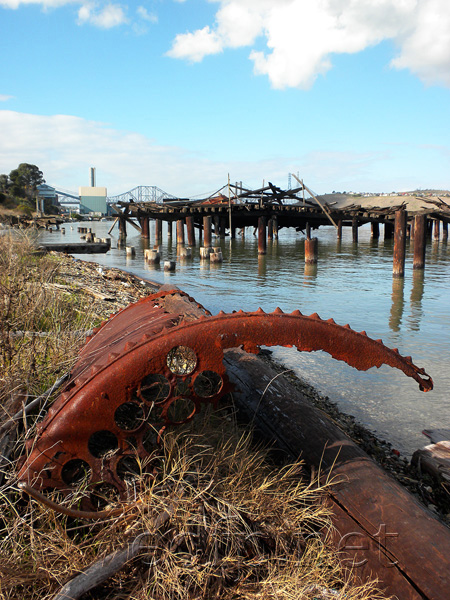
[(269, 209)]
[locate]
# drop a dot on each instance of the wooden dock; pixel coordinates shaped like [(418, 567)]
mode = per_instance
[(269, 209)]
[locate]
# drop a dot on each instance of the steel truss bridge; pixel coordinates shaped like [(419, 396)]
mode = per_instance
[(142, 193), (236, 192)]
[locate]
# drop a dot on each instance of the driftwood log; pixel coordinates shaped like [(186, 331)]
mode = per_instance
[(434, 459), (380, 528)]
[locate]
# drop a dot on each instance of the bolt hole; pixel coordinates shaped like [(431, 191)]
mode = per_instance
[(129, 416), (207, 384), (75, 471), (181, 360), (102, 443)]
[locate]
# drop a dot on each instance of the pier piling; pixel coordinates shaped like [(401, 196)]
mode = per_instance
[(158, 231), (355, 230), (399, 243), (145, 228), (207, 238), (311, 250), (190, 231), (420, 237), (180, 232)]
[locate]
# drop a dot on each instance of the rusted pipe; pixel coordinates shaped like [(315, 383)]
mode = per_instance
[(420, 239), (145, 228), (311, 250), (158, 231), (270, 229), (275, 226), (207, 237), (398, 269), (355, 230), (190, 231), (437, 229), (388, 231), (180, 231)]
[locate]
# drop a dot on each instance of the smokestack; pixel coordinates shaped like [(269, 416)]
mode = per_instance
[(92, 176)]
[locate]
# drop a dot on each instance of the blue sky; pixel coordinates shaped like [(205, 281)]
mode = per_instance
[(350, 94)]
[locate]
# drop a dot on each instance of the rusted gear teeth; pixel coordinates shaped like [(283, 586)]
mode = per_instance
[(148, 369)]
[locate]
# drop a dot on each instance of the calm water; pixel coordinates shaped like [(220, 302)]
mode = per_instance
[(351, 283)]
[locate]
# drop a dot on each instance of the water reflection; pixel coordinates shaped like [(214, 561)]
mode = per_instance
[(354, 285), (262, 265), (417, 292), (310, 274), (398, 303)]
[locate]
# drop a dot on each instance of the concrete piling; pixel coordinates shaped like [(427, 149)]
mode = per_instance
[(152, 256), (205, 251), (184, 252), (169, 265), (131, 251)]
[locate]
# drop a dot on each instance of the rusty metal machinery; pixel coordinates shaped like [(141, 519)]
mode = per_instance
[(151, 367)]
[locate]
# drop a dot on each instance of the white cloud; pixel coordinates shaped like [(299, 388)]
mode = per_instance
[(195, 46), (145, 15), (5, 97), (105, 17), (301, 36), (64, 147), (99, 13)]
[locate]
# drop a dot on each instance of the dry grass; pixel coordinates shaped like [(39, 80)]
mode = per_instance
[(40, 326), (240, 527)]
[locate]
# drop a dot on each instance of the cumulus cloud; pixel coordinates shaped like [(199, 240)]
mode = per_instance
[(301, 36), (99, 13), (105, 17)]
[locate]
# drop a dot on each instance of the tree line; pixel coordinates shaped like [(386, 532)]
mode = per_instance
[(19, 188)]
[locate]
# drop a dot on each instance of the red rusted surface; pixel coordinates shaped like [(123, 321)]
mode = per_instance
[(147, 369)]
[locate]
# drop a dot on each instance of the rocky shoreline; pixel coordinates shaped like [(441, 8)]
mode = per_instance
[(112, 289)]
